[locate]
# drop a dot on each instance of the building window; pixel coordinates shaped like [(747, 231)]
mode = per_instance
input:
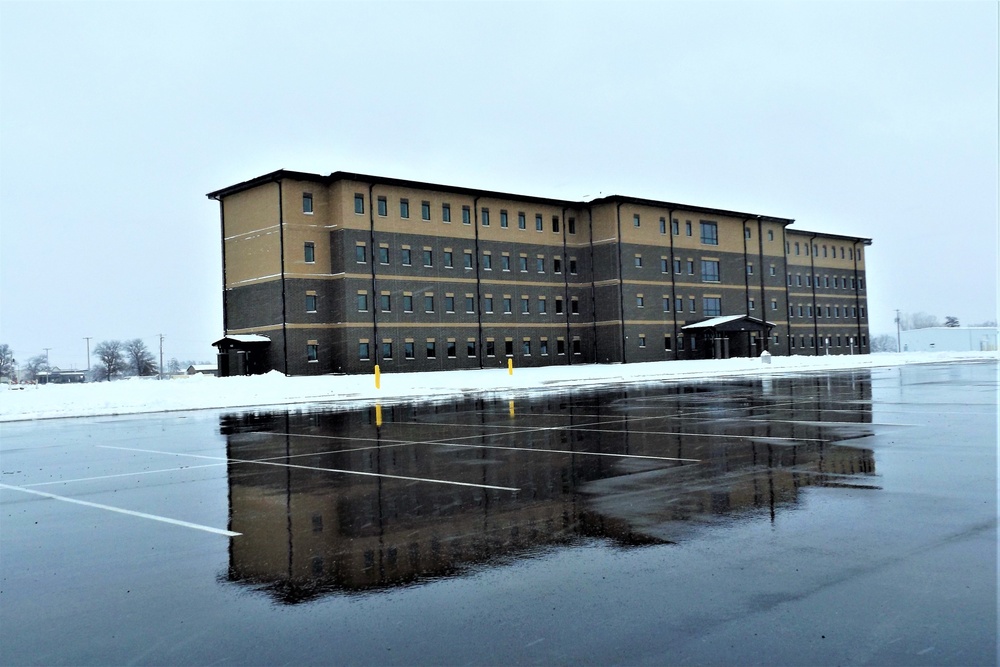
[(638, 261), (540, 264), (383, 255), (679, 304), (428, 257), (663, 225), (635, 220), (505, 262), (491, 347), (470, 348), (560, 346), (487, 261), (449, 259), (746, 232), (559, 305), (642, 340), (383, 207), (468, 259), (751, 304), (666, 304), (521, 223), (363, 352), (538, 222), (677, 266), (749, 269), (488, 304), (429, 303), (576, 346), (542, 306), (362, 302), (359, 203), (796, 247), (485, 217), (309, 252), (667, 343), (773, 270), (691, 305), (408, 349), (774, 304), (310, 303), (770, 235), (507, 306), (452, 351), (687, 227), (640, 301), (307, 202), (406, 256), (664, 266), (574, 306), (710, 233), (503, 219), (385, 303), (525, 306), (572, 266), (522, 263), (675, 227), (470, 303), (446, 212), (407, 303), (709, 271), (508, 347), (543, 346), (712, 306), (360, 254), (425, 210), (404, 208), (571, 225), (449, 303), (466, 215), (556, 265), (690, 266), (431, 349), (526, 347), (555, 224), (387, 349), (312, 352)]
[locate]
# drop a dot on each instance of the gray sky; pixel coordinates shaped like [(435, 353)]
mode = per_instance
[(869, 119)]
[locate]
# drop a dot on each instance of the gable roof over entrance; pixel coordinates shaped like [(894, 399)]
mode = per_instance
[(730, 323)]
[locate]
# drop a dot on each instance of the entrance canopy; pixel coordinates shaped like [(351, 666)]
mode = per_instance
[(729, 323), (243, 354)]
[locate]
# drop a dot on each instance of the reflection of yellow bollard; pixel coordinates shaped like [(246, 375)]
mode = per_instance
[(511, 405), (510, 367), (378, 377), (378, 414)]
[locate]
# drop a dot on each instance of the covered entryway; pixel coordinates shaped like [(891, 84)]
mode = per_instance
[(245, 354), (729, 336)]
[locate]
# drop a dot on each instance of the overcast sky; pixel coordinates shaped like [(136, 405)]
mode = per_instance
[(868, 119)]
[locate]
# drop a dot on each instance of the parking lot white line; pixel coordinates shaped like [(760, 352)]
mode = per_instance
[(336, 470), (141, 515), (560, 451), (123, 474), (745, 436)]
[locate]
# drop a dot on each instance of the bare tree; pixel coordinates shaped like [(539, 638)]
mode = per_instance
[(140, 359), (34, 366), (111, 355), (883, 343), (173, 366), (951, 321), (987, 323), (7, 362), (909, 321)]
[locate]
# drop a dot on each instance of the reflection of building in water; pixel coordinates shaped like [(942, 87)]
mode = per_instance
[(631, 465)]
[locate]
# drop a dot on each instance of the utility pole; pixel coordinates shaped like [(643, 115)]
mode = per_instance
[(46, 355), (87, 338), (160, 377), (899, 345)]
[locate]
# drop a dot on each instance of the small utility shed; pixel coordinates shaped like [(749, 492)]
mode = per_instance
[(243, 354), (728, 336)]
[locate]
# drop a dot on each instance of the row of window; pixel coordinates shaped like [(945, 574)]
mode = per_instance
[(838, 340), (451, 346), (539, 262), (506, 302), (831, 311), (838, 282), (847, 253)]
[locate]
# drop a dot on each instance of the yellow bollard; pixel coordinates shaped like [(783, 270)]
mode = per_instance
[(378, 377), (511, 405), (378, 414), (510, 367)]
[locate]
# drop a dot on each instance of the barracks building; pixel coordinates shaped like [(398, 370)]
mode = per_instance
[(338, 273)]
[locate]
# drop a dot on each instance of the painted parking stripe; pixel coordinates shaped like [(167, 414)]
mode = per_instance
[(119, 510), (123, 474)]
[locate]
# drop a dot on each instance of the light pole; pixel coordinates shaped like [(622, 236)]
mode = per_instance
[(899, 345), (46, 355), (87, 338)]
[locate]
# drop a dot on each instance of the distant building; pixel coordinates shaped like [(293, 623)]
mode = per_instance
[(203, 369), (334, 274), (949, 339), (56, 376)]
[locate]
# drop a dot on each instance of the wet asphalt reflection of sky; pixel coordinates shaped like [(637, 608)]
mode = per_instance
[(847, 518)]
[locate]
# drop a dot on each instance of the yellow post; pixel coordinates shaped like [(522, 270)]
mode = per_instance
[(378, 414), (378, 377), (511, 405), (510, 366)]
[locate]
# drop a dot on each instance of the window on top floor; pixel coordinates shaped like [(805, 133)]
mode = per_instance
[(709, 233), (635, 220), (425, 210), (404, 208), (521, 223), (383, 207), (538, 223), (503, 219), (466, 215), (359, 202), (307, 202), (446, 212), (571, 225), (485, 217), (309, 252)]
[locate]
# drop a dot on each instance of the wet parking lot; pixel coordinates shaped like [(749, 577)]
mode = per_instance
[(845, 518)]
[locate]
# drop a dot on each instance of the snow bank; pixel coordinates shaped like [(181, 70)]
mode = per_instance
[(274, 389)]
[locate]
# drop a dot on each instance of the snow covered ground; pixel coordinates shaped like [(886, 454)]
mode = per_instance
[(199, 392)]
